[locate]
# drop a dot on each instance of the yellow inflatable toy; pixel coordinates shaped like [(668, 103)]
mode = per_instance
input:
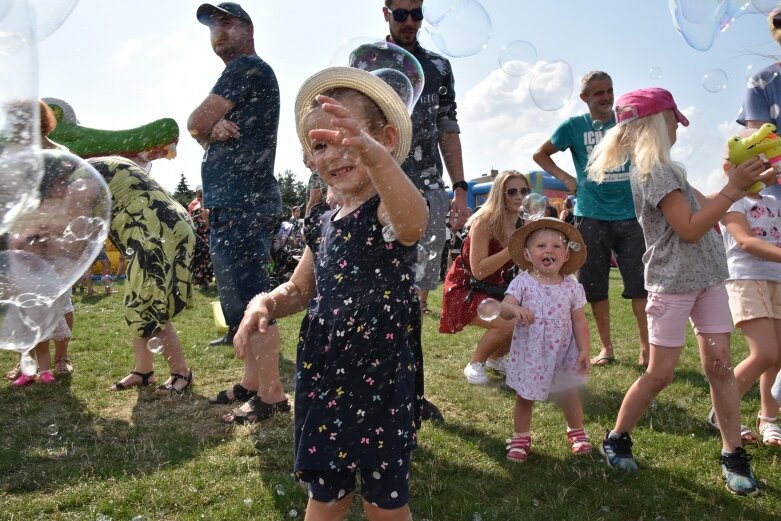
[(219, 318), (762, 143)]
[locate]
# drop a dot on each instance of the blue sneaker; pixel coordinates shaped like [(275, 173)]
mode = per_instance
[(618, 452), (737, 473)]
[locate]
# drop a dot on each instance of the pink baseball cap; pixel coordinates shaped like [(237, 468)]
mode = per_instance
[(647, 102)]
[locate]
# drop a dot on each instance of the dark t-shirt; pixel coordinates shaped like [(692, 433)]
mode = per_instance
[(239, 173), (435, 112)]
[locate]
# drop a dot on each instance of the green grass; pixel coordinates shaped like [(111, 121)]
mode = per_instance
[(120, 455)]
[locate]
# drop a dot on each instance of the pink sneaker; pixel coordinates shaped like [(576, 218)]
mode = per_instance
[(23, 380), (518, 448), (47, 377)]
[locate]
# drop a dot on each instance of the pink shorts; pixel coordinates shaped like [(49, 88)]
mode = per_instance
[(708, 310)]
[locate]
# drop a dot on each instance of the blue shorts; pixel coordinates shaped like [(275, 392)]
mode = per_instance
[(384, 488)]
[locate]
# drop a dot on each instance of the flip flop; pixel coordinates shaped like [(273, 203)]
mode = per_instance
[(602, 361)]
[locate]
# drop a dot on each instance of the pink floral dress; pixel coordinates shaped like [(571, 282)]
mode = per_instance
[(543, 355)]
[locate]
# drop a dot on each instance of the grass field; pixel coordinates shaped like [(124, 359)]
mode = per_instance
[(73, 450)]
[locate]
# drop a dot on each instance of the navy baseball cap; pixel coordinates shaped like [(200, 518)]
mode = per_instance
[(206, 11)]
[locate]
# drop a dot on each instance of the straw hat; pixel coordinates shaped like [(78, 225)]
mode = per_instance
[(365, 82), (519, 236)]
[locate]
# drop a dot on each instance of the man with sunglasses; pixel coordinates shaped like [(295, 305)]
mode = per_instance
[(434, 130), (604, 213), (237, 126)]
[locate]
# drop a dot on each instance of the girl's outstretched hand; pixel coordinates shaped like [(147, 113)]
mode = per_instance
[(749, 172), (348, 132), (583, 363), (256, 318)]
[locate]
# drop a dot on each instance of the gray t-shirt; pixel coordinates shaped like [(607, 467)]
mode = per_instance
[(673, 265)]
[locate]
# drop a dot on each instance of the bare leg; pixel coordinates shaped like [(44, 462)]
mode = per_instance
[(374, 513), (172, 350), (143, 364), (522, 414), (638, 308), (423, 300), (601, 311), (331, 511), (261, 366), (660, 373), (496, 339), (43, 356), (569, 402), (717, 364), (61, 347)]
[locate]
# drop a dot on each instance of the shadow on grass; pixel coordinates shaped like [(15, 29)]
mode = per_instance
[(50, 437)]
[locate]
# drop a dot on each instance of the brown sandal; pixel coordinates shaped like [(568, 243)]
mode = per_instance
[(63, 366)]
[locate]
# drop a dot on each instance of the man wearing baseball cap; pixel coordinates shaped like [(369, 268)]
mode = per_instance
[(237, 126)]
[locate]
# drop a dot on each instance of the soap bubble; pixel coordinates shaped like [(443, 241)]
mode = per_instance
[(715, 80), (293, 513), (488, 309), (464, 31), (381, 58), (442, 90), (655, 73), (129, 252), (154, 345), (764, 6), (518, 58), (49, 15), (341, 57), (702, 11), (436, 10), (534, 206), (52, 430), (248, 502), (551, 84), (280, 490), (597, 124), (699, 36)]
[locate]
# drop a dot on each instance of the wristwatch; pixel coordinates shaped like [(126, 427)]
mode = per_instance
[(462, 185)]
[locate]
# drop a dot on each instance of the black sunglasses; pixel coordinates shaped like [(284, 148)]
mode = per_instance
[(401, 15), (776, 20), (512, 192)]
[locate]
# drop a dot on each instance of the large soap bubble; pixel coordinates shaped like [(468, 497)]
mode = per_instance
[(436, 10), (67, 228), (702, 11), (50, 14), (463, 31), (382, 58), (341, 56), (700, 21), (551, 84), (518, 58)]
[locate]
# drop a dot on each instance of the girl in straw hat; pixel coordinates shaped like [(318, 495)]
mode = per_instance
[(685, 269), (359, 361), (550, 345)]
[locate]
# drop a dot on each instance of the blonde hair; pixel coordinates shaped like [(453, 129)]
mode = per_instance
[(645, 141), (493, 208)]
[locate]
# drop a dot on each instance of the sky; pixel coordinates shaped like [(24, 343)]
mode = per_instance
[(123, 63)]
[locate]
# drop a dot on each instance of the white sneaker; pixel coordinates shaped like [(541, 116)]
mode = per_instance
[(475, 373), (497, 364)]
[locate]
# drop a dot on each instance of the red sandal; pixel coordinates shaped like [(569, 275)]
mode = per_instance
[(579, 442), (518, 448)]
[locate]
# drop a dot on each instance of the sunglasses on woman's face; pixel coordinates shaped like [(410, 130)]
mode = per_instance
[(400, 15), (777, 20), (512, 192)]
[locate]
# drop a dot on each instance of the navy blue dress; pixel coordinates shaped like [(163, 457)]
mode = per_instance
[(359, 379)]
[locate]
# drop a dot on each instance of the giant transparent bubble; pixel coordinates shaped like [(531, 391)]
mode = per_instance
[(47, 248), (518, 58), (700, 21), (715, 80), (382, 58), (50, 14), (436, 10), (463, 31), (533, 207), (551, 84)]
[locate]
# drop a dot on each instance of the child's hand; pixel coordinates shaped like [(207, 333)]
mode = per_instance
[(583, 363), (349, 132), (256, 318), (524, 315), (749, 172)]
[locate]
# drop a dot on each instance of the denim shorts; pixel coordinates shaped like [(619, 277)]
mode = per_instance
[(384, 488), (240, 242), (625, 239)]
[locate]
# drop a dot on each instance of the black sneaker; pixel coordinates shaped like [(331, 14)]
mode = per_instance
[(430, 412), (737, 472), (618, 451)]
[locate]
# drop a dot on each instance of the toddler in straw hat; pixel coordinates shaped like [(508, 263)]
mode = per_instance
[(550, 345), (359, 361)]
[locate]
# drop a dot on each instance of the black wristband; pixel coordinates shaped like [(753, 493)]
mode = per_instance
[(462, 185)]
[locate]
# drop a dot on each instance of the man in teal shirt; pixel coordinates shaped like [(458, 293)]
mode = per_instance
[(604, 212)]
